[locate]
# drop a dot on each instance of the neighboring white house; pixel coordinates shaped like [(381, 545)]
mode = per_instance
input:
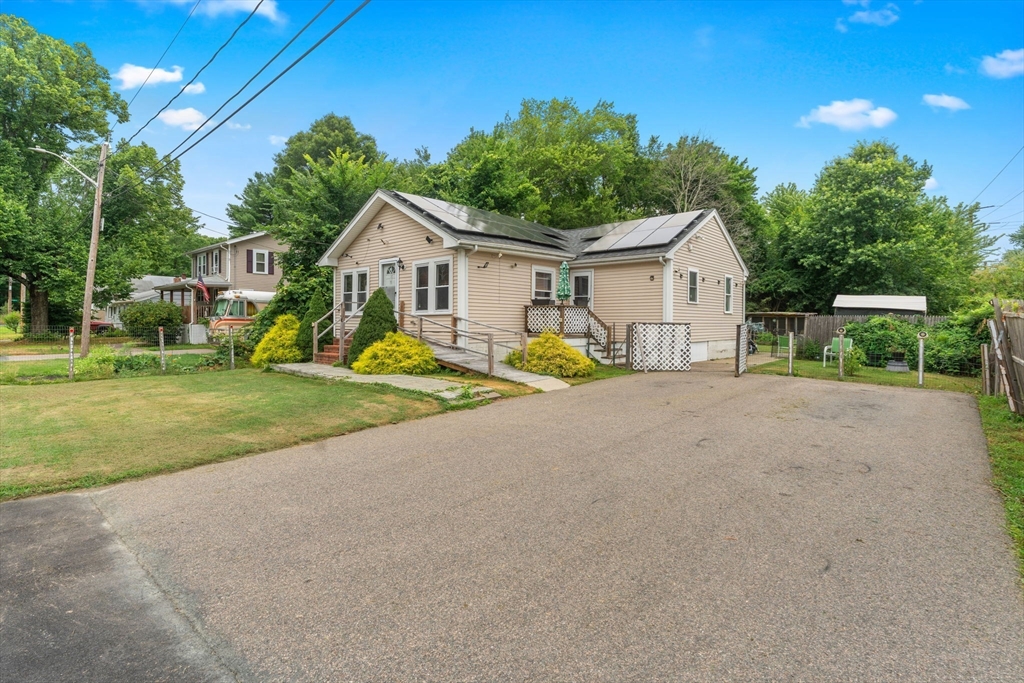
[(854, 304), (438, 260), (142, 290)]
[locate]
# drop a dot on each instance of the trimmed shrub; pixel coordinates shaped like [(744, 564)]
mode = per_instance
[(396, 354), (811, 350), (12, 320), (854, 360), (549, 355), (278, 345), (377, 320), (316, 310), (149, 315)]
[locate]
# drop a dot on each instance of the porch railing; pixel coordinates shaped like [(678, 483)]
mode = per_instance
[(461, 337), (342, 334)]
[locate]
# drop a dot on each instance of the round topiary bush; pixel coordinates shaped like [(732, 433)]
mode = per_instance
[(549, 355), (396, 354), (377, 320), (278, 345)]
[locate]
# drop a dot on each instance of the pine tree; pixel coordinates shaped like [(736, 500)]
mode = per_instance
[(378, 319), (317, 309)]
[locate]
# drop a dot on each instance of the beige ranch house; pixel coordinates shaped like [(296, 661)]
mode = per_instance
[(480, 271)]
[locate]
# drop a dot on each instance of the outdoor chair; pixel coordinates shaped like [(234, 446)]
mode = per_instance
[(784, 345), (832, 350)]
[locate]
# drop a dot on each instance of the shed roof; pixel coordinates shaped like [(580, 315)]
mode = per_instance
[(882, 301)]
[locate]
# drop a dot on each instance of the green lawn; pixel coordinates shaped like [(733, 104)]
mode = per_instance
[(868, 375), (602, 371), (56, 437), (1005, 434), (51, 371)]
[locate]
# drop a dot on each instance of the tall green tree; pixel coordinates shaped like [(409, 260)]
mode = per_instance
[(55, 96), (775, 272), (871, 229)]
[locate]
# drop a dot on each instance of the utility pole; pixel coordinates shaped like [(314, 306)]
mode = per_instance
[(94, 243), (97, 207)]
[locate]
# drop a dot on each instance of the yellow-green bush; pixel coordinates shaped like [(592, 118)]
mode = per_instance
[(99, 362), (396, 354), (279, 344), (549, 355)]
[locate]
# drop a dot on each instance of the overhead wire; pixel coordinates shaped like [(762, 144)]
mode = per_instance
[(996, 208), (997, 175), (203, 68), (259, 92), (161, 59)]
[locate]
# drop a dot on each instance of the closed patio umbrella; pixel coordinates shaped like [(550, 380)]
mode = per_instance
[(564, 292)]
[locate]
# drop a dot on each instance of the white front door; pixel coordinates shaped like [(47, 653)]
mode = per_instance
[(583, 288), (389, 280)]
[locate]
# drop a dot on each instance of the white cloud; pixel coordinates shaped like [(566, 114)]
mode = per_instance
[(855, 114), (931, 184), (950, 69), (216, 8), (186, 119), (1006, 64), (841, 25), (132, 76), (194, 89), (239, 126), (277, 140), (878, 17), (946, 102)]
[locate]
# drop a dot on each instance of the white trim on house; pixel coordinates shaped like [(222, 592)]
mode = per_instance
[(589, 272), (398, 275), (695, 286), (266, 262), (432, 287), (215, 266), (223, 245), (462, 284), (533, 281), (667, 295), (728, 294), (725, 232), (354, 272)]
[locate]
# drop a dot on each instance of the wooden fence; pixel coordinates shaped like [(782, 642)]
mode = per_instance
[(822, 328), (1007, 328)]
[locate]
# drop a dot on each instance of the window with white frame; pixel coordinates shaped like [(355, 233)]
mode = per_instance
[(728, 293), (216, 262), (692, 278), (201, 265), (260, 259), (354, 288), (432, 286), (543, 283)]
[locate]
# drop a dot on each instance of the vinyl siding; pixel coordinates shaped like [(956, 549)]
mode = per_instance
[(499, 293), (712, 256), (405, 238), (243, 280), (624, 293)]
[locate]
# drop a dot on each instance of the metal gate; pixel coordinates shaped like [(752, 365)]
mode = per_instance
[(659, 346), (742, 334)]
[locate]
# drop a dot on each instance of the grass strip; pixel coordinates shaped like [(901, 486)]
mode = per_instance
[(1004, 432), (868, 375)]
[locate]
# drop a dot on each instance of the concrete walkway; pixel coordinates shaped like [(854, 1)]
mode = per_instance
[(439, 387)]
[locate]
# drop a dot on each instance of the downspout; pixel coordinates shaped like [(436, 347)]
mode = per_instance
[(667, 287)]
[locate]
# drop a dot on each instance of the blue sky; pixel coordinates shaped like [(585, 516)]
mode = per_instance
[(786, 85)]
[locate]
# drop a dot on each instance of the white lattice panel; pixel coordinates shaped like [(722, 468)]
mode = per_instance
[(541, 318), (597, 330), (661, 346), (741, 350), (577, 320)]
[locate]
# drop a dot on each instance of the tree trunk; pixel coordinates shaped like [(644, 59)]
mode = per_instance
[(40, 308)]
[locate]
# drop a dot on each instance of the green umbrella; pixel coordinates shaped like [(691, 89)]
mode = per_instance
[(563, 282)]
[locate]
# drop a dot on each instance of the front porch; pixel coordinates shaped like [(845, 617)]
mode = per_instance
[(185, 294)]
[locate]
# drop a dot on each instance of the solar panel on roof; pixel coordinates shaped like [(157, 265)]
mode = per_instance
[(646, 232)]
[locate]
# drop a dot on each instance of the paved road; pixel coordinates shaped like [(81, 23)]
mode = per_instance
[(653, 527)]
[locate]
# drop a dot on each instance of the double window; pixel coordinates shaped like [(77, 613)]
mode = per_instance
[(354, 289), (692, 292), (728, 293), (543, 283), (201, 265), (260, 261), (432, 286)]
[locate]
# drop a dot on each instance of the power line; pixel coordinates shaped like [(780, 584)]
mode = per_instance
[(997, 175), (164, 54), (259, 92), (995, 208), (254, 77), (208, 63), (1003, 219)]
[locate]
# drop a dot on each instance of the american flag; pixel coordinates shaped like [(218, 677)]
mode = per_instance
[(200, 285)]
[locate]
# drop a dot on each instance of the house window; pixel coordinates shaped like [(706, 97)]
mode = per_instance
[(260, 258), (691, 293), (432, 286), (728, 293), (354, 287), (216, 262), (201, 265), (543, 284)]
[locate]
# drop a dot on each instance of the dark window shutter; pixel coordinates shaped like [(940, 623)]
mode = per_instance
[(270, 263), (248, 260)]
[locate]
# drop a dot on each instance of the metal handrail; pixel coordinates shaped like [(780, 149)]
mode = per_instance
[(490, 327)]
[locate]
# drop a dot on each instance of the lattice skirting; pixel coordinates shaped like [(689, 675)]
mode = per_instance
[(660, 346), (741, 348)]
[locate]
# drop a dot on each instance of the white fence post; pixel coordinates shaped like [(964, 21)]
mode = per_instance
[(163, 358), (71, 354), (842, 349), (231, 345), (921, 336), (791, 354)]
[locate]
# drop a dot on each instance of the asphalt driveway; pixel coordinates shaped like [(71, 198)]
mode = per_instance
[(652, 527)]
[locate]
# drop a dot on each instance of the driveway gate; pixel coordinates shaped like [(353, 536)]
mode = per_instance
[(742, 345), (659, 346)]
